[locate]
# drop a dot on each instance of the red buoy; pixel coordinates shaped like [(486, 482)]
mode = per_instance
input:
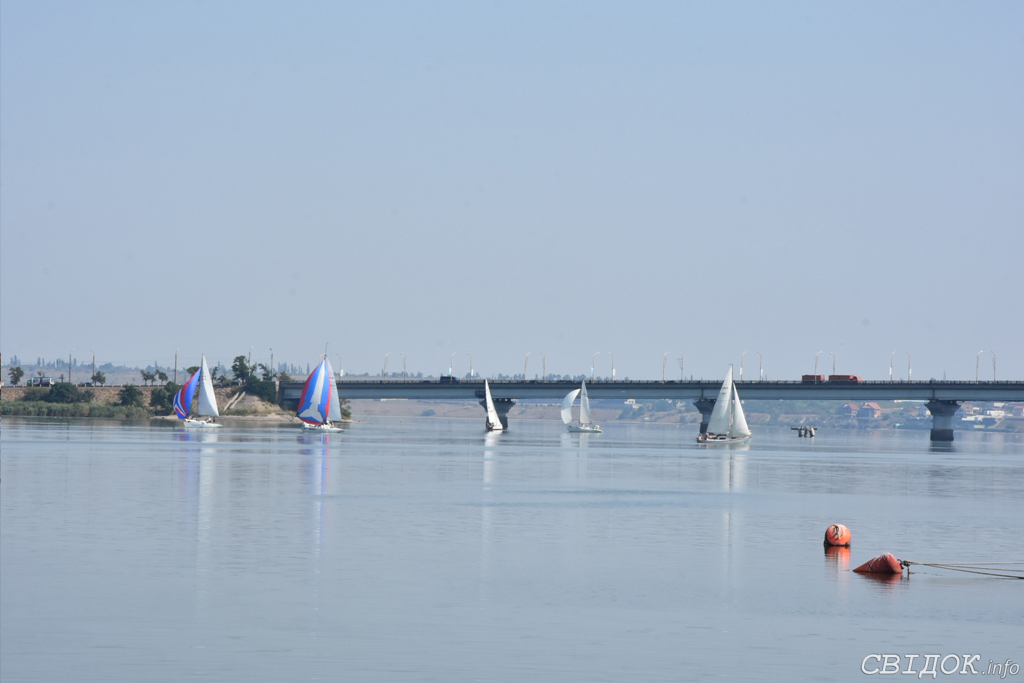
[(883, 564), (837, 534)]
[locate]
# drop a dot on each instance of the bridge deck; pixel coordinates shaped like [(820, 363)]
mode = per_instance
[(653, 390)]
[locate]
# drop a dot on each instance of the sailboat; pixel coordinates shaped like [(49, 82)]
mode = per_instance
[(584, 424), (207, 408), (319, 406), (493, 421), (728, 424)]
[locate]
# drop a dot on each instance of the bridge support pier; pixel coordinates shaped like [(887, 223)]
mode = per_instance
[(942, 419), (501, 406), (705, 406)]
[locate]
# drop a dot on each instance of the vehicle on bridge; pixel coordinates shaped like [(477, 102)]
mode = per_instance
[(853, 379), (812, 379)]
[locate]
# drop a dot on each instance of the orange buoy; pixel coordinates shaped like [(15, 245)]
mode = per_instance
[(837, 534), (883, 564)]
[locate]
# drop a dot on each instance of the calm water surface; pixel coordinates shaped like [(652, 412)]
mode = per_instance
[(425, 550)]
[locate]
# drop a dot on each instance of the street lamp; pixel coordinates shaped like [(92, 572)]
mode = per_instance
[(384, 371), (451, 365), (612, 354), (175, 365), (833, 362), (593, 365), (664, 358), (543, 366), (816, 365), (993, 366), (681, 363), (94, 366), (977, 361), (525, 361), (72, 351), (470, 364), (908, 366), (891, 356), (760, 372), (405, 368), (742, 353)]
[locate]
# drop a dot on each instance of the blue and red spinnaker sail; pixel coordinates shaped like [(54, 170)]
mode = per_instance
[(315, 404), (183, 399)]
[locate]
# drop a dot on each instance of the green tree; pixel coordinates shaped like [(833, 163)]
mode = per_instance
[(161, 399), (149, 377), (161, 375), (99, 378), (130, 396), (241, 370), (65, 392), (16, 373)]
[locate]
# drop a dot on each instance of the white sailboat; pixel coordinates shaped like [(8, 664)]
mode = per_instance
[(584, 424), (493, 421), (728, 424), (207, 408)]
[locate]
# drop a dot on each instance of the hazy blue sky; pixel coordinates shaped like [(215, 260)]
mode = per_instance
[(497, 178)]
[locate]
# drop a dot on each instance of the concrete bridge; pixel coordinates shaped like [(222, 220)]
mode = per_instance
[(942, 398)]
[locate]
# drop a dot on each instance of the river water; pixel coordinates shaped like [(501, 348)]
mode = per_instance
[(426, 550)]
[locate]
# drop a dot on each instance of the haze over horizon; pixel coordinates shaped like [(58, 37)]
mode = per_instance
[(500, 179)]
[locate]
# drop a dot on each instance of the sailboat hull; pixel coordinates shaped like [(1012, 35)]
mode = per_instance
[(201, 424), (321, 427), (584, 429), (715, 439)]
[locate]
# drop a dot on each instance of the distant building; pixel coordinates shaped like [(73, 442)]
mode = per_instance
[(869, 411)]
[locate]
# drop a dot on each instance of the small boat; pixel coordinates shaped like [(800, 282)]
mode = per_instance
[(493, 421), (584, 424), (206, 411), (728, 424), (319, 407)]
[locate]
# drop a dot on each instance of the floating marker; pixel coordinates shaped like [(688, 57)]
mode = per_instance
[(883, 564), (837, 534)]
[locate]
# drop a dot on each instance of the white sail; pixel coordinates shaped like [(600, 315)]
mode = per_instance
[(584, 406), (719, 422), (567, 405), (738, 429), (493, 421), (207, 399), (334, 408)]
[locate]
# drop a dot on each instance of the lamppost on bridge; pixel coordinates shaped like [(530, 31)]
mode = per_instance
[(612, 354), (908, 366), (543, 366), (977, 362), (681, 363), (451, 365), (993, 366), (176, 366), (891, 356), (742, 353), (593, 366), (405, 368), (664, 358), (470, 364), (525, 361), (760, 367), (272, 373), (72, 351), (94, 366), (816, 365), (833, 362), (384, 370)]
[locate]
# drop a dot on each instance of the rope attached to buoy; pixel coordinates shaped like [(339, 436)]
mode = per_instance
[(998, 569)]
